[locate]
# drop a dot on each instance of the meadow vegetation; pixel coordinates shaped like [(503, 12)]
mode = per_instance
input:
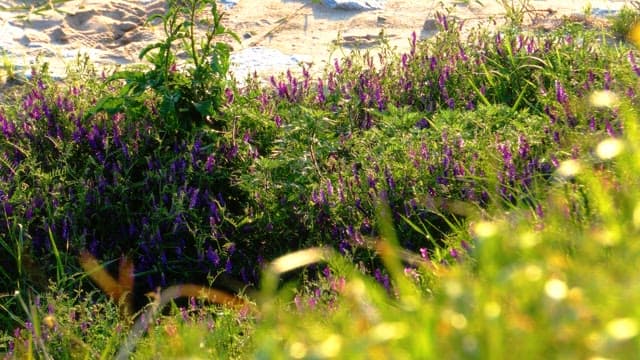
[(476, 197)]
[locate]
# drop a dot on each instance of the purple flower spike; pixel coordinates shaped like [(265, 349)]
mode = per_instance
[(229, 95), (592, 123), (320, 97), (531, 46), (413, 43), (336, 65), (212, 256), (390, 180), (632, 61), (422, 124), (433, 62), (383, 279), (327, 273), (442, 19), (211, 162), (609, 128), (451, 103), (523, 147), (561, 94), (379, 99), (607, 80), (193, 201), (463, 54), (424, 254), (8, 129), (372, 182)]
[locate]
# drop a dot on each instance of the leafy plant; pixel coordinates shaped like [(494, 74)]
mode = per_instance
[(624, 21), (189, 93), (515, 10)]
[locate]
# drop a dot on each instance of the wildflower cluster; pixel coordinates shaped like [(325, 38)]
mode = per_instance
[(439, 133)]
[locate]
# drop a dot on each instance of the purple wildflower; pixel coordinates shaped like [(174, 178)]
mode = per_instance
[(424, 254), (320, 97), (264, 101), (631, 93), (211, 162), (372, 182), (607, 80), (442, 20), (433, 62), (383, 279), (390, 180), (523, 147), (531, 46), (498, 41), (413, 43), (8, 129), (229, 95), (379, 98), (212, 256), (327, 273), (463, 54), (592, 123), (609, 128), (215, 214), (451, 103), (313, 300), (424, 151), (193, 201), (247, 137), (422, 124), (336, 65), (632, 61), (561, 94)]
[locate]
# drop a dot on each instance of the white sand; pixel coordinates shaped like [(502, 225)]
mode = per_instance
[(285, 31)]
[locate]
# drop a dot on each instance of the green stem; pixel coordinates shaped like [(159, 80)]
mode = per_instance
[(192, 19)]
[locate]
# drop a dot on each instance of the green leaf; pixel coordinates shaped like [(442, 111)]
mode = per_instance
[(204, 107), (148, 48)]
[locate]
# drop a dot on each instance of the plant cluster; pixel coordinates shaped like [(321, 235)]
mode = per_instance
[(482, 121), (191, 175)]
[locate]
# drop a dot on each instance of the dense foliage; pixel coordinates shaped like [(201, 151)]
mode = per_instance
[(190, 174)]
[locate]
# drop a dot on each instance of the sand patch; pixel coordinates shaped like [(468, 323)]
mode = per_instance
[(113, 32)]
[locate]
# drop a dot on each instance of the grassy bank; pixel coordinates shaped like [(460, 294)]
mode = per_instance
[(476, 197)]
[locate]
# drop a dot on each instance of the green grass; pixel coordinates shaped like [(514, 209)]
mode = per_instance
[(476, 197)]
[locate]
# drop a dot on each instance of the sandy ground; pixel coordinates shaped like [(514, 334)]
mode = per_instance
[(275, 34)]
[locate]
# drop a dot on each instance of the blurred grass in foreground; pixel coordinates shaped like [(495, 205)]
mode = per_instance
[(564, 285)]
